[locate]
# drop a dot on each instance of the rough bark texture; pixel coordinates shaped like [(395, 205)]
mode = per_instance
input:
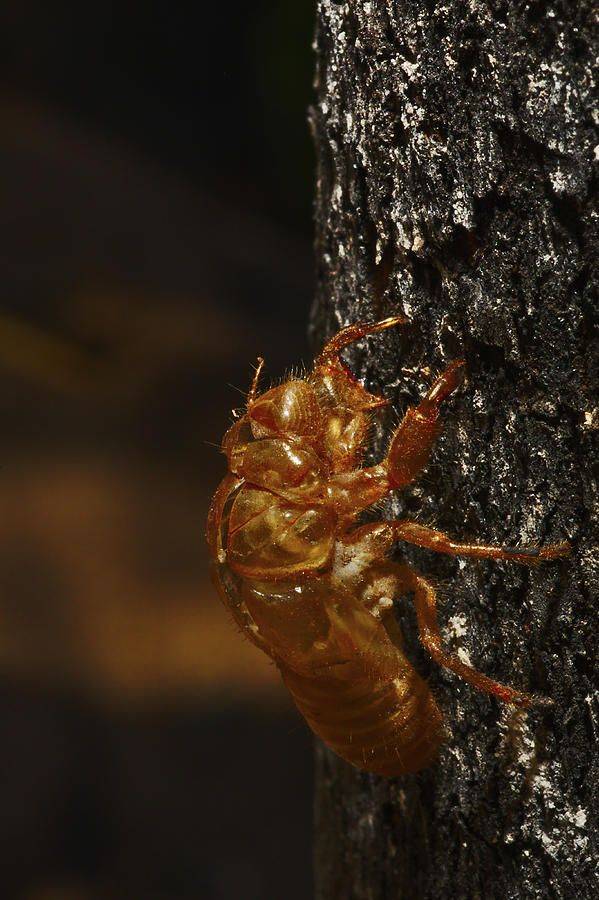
[(457, 149)]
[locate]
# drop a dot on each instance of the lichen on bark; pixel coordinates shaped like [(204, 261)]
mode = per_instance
[(457, 160)]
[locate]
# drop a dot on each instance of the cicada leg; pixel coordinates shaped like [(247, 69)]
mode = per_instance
[(415, 435), (422, 536), (378, 581)]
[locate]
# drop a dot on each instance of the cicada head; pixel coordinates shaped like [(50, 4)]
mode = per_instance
[(289, 410)]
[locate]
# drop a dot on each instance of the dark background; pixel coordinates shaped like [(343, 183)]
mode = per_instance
[(156, 178)]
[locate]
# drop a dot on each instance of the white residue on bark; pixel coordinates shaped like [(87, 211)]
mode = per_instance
[(559, 820)]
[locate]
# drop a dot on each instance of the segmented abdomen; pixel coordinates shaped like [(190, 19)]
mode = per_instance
[(385, 727)]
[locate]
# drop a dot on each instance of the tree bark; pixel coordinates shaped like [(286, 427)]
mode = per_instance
[(457, 158)]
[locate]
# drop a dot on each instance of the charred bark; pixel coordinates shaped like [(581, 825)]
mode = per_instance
[(457, 153)]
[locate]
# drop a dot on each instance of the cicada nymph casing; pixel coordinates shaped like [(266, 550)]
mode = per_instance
[(313, 589)]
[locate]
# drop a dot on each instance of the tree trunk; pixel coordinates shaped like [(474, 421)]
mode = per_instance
[(457, 154)]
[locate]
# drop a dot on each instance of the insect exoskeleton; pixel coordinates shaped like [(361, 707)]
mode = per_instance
[(315, 591)]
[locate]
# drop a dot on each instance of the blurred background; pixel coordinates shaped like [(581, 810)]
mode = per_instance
[(156, 180)]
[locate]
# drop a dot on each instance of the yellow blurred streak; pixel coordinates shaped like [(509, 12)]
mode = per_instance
[(45, 358), (92, 596)]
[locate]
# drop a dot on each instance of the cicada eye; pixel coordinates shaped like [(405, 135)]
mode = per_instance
[(290, 408), (235, 442)]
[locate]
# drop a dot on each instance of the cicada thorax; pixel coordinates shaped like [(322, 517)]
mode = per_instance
[(277, 521), (268, 554)]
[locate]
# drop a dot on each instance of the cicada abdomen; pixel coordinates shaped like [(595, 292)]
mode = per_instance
[(385, 727)]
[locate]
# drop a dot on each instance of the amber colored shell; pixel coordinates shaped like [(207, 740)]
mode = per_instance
[(314, 590), (272, 532)]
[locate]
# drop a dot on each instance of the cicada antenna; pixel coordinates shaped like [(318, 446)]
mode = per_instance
[(254, 387)]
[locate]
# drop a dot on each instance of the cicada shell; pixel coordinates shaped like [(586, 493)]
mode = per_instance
[(315, 591)]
